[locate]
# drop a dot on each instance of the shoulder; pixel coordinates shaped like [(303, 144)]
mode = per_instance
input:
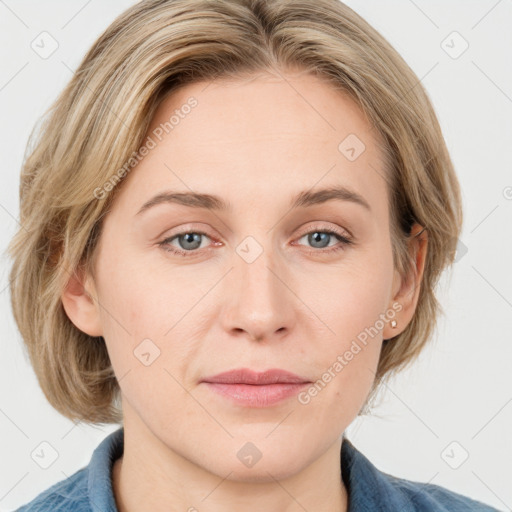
[(66, 495), (373, 489), (430, 497), (89, 488)]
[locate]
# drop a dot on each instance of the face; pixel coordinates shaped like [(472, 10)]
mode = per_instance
[(186, 291)]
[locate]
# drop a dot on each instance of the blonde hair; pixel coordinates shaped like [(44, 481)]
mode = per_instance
[(100, 120)]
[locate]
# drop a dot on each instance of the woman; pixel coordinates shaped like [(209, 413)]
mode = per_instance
[(233, 223)]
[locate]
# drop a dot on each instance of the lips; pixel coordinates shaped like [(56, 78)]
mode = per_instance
[(247, 376), (247, 388)]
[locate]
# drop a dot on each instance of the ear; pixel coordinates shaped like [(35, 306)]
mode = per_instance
[(406, 291), (80, 306)]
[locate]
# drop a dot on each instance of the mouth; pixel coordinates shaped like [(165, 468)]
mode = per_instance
[(253, 389)]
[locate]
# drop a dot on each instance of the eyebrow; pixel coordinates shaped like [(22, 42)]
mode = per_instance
[(304, 199)]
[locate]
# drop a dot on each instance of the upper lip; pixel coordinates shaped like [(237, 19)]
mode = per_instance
[(248, 376)]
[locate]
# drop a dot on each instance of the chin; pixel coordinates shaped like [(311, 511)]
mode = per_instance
[(245, 461)]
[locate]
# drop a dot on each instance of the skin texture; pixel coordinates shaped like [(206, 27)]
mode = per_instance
[(256, 143)]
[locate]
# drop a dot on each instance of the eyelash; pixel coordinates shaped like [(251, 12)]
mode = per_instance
[(187, 254)]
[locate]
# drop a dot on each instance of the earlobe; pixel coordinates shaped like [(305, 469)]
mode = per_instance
[(79, 301), (407, 290)]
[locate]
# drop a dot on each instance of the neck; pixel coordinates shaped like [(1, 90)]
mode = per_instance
[(151, 476)]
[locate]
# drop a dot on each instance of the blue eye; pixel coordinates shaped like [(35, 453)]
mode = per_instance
[(317, 238), (190, 241)]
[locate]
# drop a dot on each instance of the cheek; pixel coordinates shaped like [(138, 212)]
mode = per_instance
[(352, 301), (128, 309), (147, 314), (136, 299), (354, 309)]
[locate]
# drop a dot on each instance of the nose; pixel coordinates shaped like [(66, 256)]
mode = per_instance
[(259, 303)]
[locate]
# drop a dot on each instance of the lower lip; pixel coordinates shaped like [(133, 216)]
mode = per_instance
[(257, 395)]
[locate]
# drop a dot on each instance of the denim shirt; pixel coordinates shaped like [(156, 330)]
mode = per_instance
[(90, 488)]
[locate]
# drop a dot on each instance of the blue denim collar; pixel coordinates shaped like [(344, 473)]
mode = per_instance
[(99, 484), (368, 488)]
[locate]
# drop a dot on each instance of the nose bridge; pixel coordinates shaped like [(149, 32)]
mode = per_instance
[(256, 267), (259, 300)]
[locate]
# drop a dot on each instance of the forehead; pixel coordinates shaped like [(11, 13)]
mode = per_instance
[(259, 138)]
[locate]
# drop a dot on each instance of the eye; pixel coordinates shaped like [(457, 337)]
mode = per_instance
[(320, 238), (188, 241)]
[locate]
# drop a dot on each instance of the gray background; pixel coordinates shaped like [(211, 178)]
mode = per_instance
[(457, 400)]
